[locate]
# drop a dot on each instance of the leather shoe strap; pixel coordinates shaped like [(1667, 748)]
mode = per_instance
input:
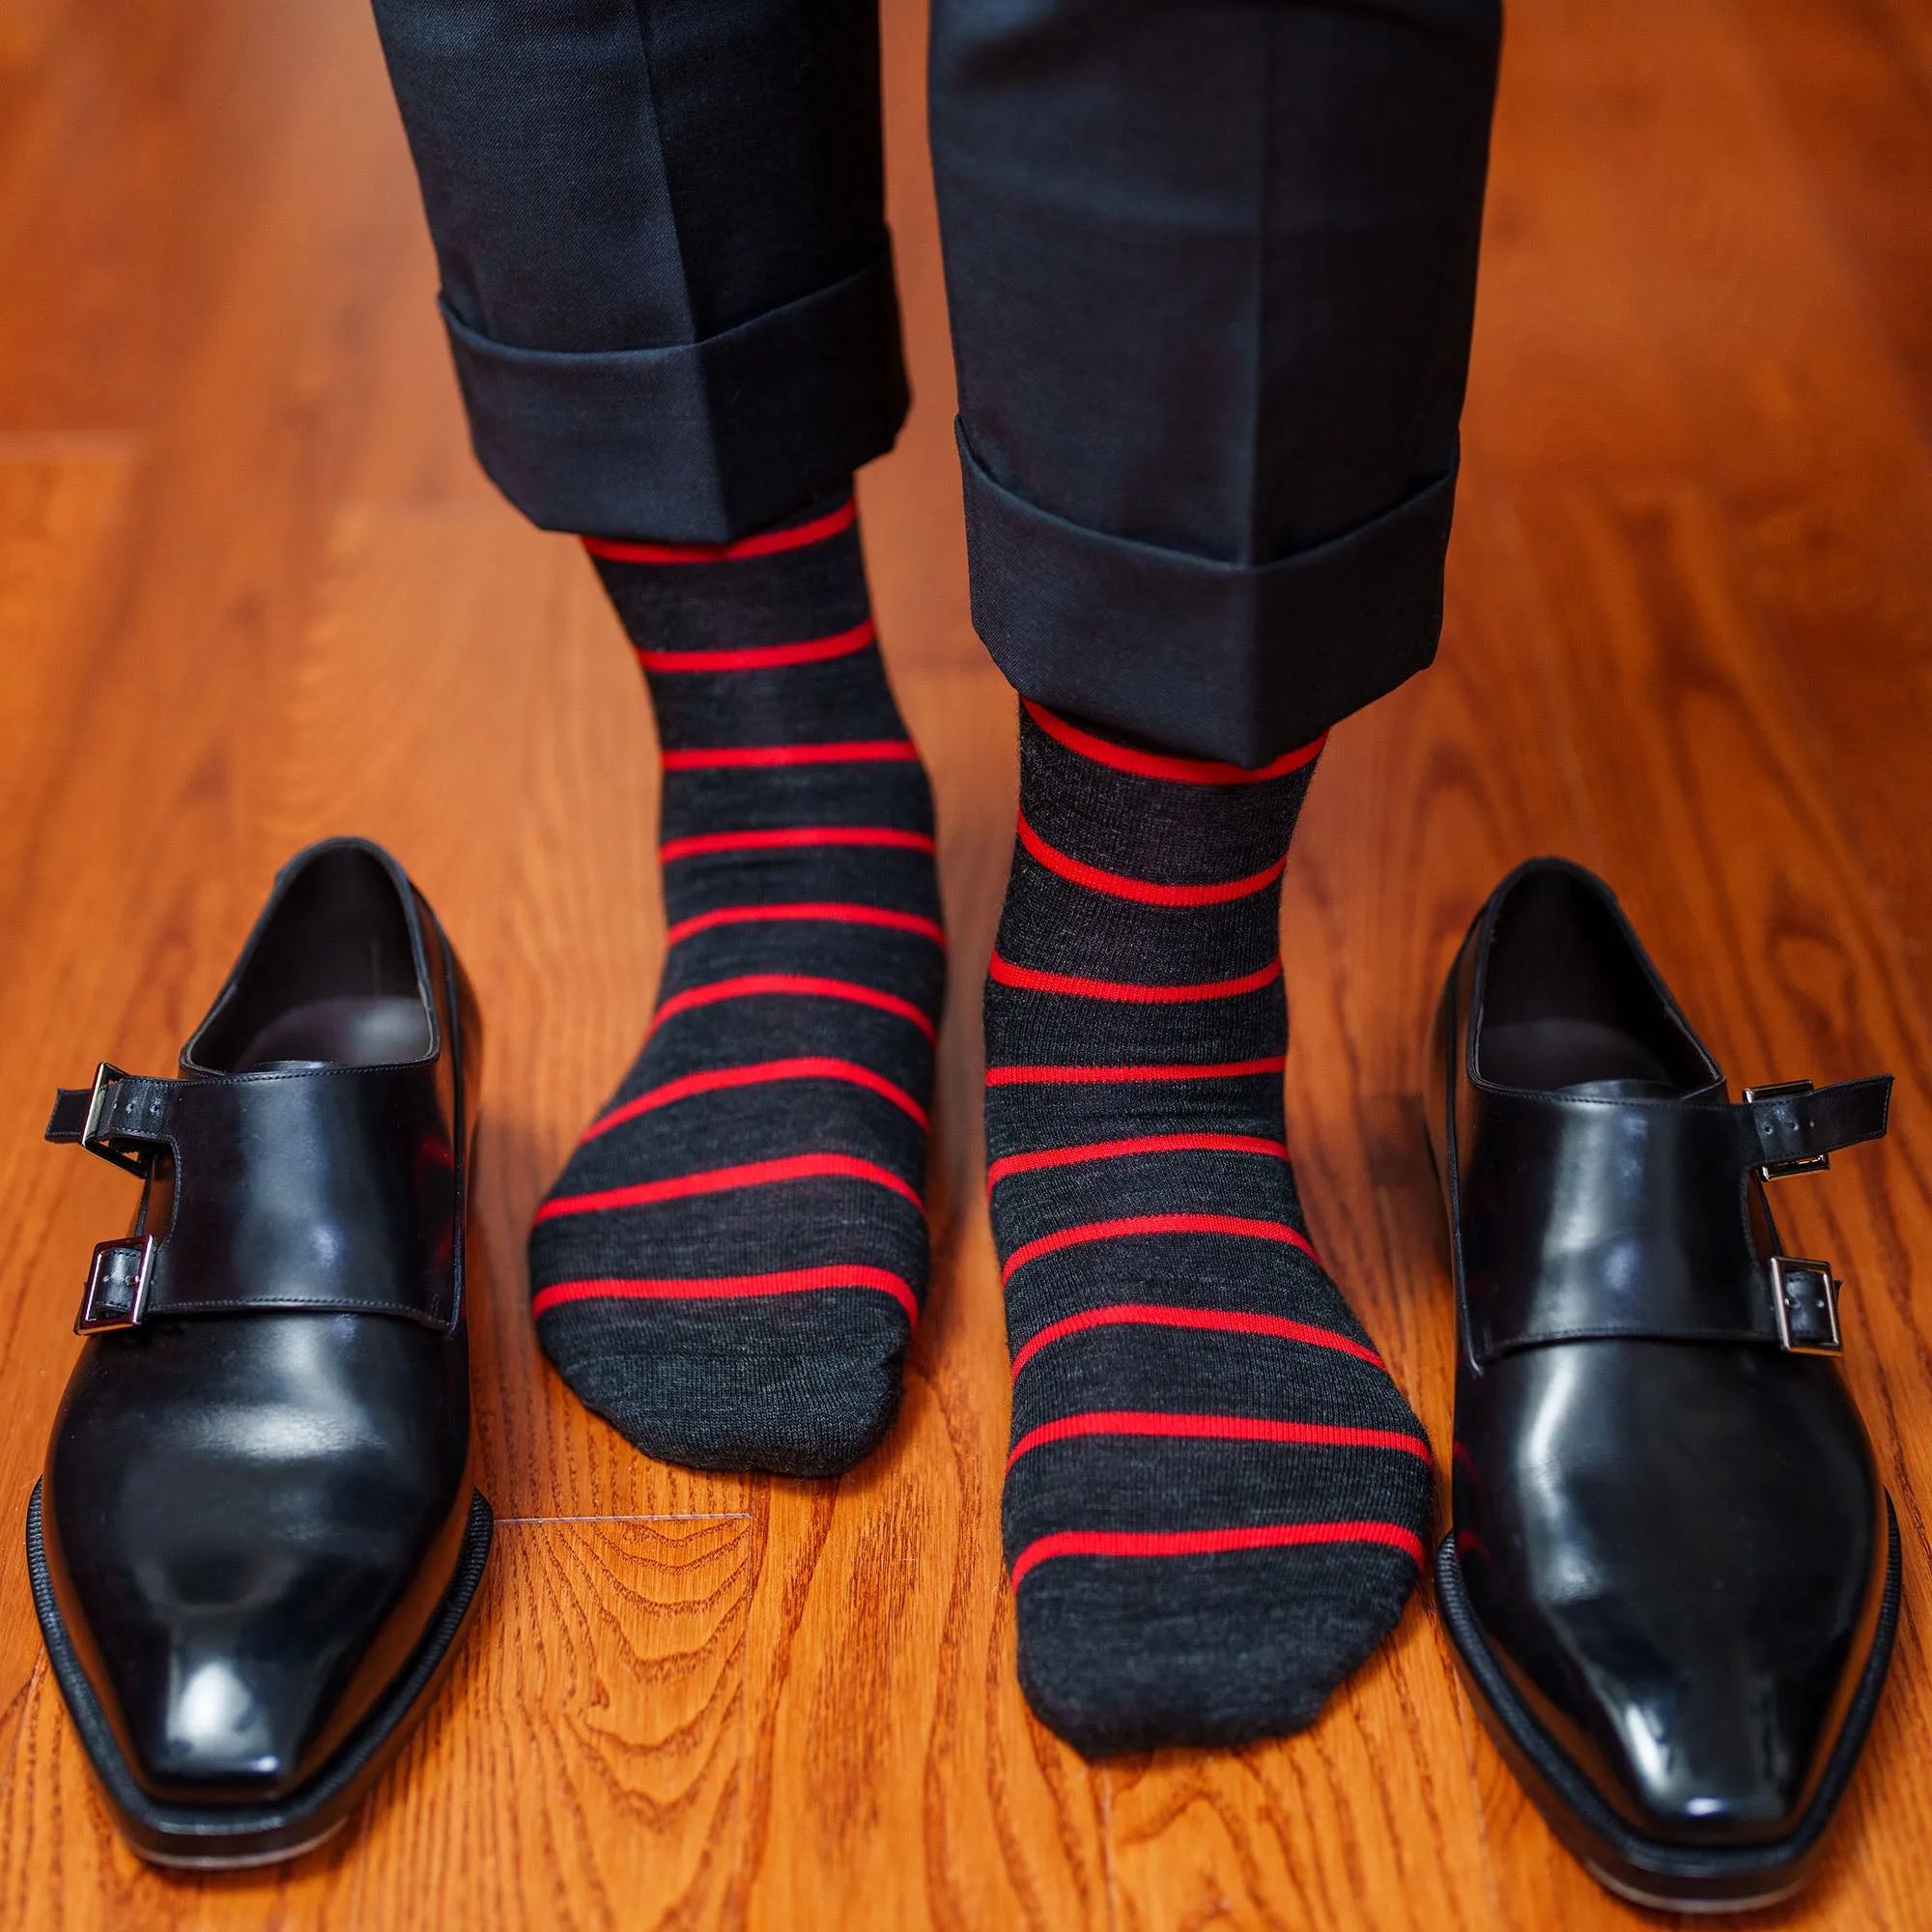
[(1552, 1251), (1802, 1123), (300, 1188), (133, 1107)]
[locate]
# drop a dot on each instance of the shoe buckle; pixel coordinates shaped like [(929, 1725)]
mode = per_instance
[(1805, 1300), (94, 1140), (1808, 1163), (116, 1295)]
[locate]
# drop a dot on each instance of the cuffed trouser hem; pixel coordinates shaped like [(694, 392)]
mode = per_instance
[(1238, 662), (696, 443)]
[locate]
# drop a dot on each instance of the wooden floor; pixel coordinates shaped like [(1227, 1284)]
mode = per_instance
[(252, 590)]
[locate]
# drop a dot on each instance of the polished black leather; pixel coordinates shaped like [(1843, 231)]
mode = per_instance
[(1670, 1526), (1593, 1213), (256, 1494), (318, 1187)]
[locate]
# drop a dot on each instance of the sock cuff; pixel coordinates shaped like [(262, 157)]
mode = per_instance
[(1139, 825), (797, 590), (826, 516), (1118, 753)]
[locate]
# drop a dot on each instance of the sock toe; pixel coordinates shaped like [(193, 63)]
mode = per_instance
[(814, 1399), (1120, 1656), (731, 1263)]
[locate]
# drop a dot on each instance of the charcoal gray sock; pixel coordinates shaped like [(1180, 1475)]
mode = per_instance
[(731, 1264), (1215, 1497)]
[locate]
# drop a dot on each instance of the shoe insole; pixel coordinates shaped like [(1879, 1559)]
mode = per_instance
[(1546, 1054), (342, 1029)]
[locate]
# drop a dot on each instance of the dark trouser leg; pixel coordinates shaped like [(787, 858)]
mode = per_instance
[(1212, 268), (669, 296), (1211, 265), (660, 226)]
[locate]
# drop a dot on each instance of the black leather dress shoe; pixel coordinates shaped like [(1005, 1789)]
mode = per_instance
[(256, 1540), (1673, 1577)]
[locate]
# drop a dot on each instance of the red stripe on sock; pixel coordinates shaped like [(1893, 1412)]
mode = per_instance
[(720, 1288), (791, 836), (1210, 1542), (1211, 1321), (721, 1180), (757, 1074), (767, 543), (742, 757), (1113, 1076), (1072, 1157), (751, 986), (762, 657), (1213, 1428), (1144, 892), (1158, 765), (1156, 1224), (1030, 979), (833, 913)]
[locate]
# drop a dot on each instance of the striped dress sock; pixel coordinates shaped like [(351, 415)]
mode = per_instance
[(1215, 1496), (730, 1265)]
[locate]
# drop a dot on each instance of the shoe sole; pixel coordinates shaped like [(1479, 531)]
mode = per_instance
[(226, 1837), (1660, 1873)]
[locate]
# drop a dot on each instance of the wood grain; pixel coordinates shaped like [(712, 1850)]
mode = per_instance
[(253, 590), (593, 1724)]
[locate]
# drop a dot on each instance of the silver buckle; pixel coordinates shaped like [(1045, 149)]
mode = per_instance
[(116, 1295), (91, 1137), (1805, 1298), (1783, 1170), (104, 1076)]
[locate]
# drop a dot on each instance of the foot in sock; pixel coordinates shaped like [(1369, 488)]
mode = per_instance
[(1215, 1496), (730, 1264)]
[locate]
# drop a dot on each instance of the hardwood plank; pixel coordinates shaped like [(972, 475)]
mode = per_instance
[(60, 506), (161, 147), (1912, 26), (1859, 117), (1761, 921), (965, 725), (27, 29), (939, 1804), (1565, 371), (915, 533), (464, 697), (881, 1614), (1687, 613), (1797, 409), (1418, 810), (1367, 1820), (593, 1726)]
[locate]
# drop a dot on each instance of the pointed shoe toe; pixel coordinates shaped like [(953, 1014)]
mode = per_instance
[(239, 1537), (255, 1542), (1672, 1582)]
